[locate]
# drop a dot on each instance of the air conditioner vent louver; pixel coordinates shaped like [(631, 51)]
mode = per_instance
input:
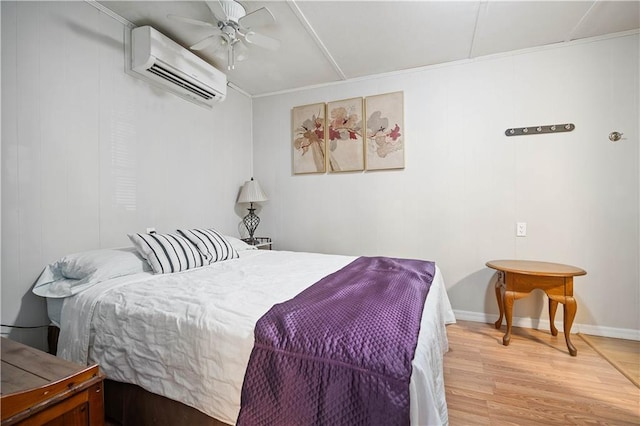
[(164, 62), (176, 79)]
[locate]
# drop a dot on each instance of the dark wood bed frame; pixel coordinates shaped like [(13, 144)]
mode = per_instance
[(126, 404)]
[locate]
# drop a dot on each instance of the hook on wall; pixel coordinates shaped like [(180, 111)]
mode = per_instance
[(615, 136)]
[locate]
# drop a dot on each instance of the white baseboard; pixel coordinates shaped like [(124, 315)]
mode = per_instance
[(543, 324)]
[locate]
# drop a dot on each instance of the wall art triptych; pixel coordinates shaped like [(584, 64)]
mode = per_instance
[(349, 135)]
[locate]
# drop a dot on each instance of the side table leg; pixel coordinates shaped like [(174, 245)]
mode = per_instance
[(499, 287), (553, 307), (509, 297), (570, 308)]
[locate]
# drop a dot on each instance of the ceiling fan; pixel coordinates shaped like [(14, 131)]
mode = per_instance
[(232, 26)]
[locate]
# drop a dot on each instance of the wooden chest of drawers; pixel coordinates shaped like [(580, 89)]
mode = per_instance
[(41, 389)]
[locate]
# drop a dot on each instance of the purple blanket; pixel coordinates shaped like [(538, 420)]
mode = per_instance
[(340, 352)]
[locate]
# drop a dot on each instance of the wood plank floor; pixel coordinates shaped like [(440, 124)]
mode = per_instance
[(532, 381), (622, 354)]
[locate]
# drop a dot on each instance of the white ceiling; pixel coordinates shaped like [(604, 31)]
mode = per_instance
[(327, 41)]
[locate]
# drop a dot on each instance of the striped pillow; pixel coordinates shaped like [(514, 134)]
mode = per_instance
[(213, 246), (168, 253)]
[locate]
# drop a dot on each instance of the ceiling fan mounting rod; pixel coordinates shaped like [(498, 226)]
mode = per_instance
[(232, 9)]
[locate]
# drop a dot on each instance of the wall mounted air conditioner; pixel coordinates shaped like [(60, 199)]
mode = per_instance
[(162, 60)]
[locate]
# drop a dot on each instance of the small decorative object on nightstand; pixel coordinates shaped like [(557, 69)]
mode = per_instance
[(251, 193), (263, 243)]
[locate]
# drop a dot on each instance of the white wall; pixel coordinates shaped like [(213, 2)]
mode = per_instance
[(466, 184), (90, 153)]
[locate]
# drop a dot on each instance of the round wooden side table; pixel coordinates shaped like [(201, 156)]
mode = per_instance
[(519, 277)]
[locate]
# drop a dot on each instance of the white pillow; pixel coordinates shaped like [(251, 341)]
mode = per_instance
[(213, 246), (168, 253), (76, 272)]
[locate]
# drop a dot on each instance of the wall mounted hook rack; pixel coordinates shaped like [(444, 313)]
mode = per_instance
[(537, 130)]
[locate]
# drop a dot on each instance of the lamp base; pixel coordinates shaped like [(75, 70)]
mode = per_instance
[(251, 222)]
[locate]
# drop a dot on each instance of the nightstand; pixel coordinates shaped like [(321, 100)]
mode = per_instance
[(39, 388), (263, 243)]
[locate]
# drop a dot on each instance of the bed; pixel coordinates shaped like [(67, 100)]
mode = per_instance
[(188, 335)]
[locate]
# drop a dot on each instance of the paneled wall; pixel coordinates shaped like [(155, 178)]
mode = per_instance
[(90, 153), (465, 184)]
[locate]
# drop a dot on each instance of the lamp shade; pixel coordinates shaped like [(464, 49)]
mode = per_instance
[(251, 192)]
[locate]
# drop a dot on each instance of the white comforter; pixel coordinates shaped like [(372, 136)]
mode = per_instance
[(188, 336)]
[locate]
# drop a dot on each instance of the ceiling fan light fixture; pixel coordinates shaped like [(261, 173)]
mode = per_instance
[(241, 51), (230, 31), (233, 25)]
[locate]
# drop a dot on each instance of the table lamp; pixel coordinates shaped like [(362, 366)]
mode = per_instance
[(251, 193)]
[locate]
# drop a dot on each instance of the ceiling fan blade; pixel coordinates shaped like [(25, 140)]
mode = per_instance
[(261, 40), (262, 16), (206, 42), (191, 21), (215, 6)]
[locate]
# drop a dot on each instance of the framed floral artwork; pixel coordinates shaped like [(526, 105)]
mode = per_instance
[(384, 144), (345, 144), (309, 139)]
